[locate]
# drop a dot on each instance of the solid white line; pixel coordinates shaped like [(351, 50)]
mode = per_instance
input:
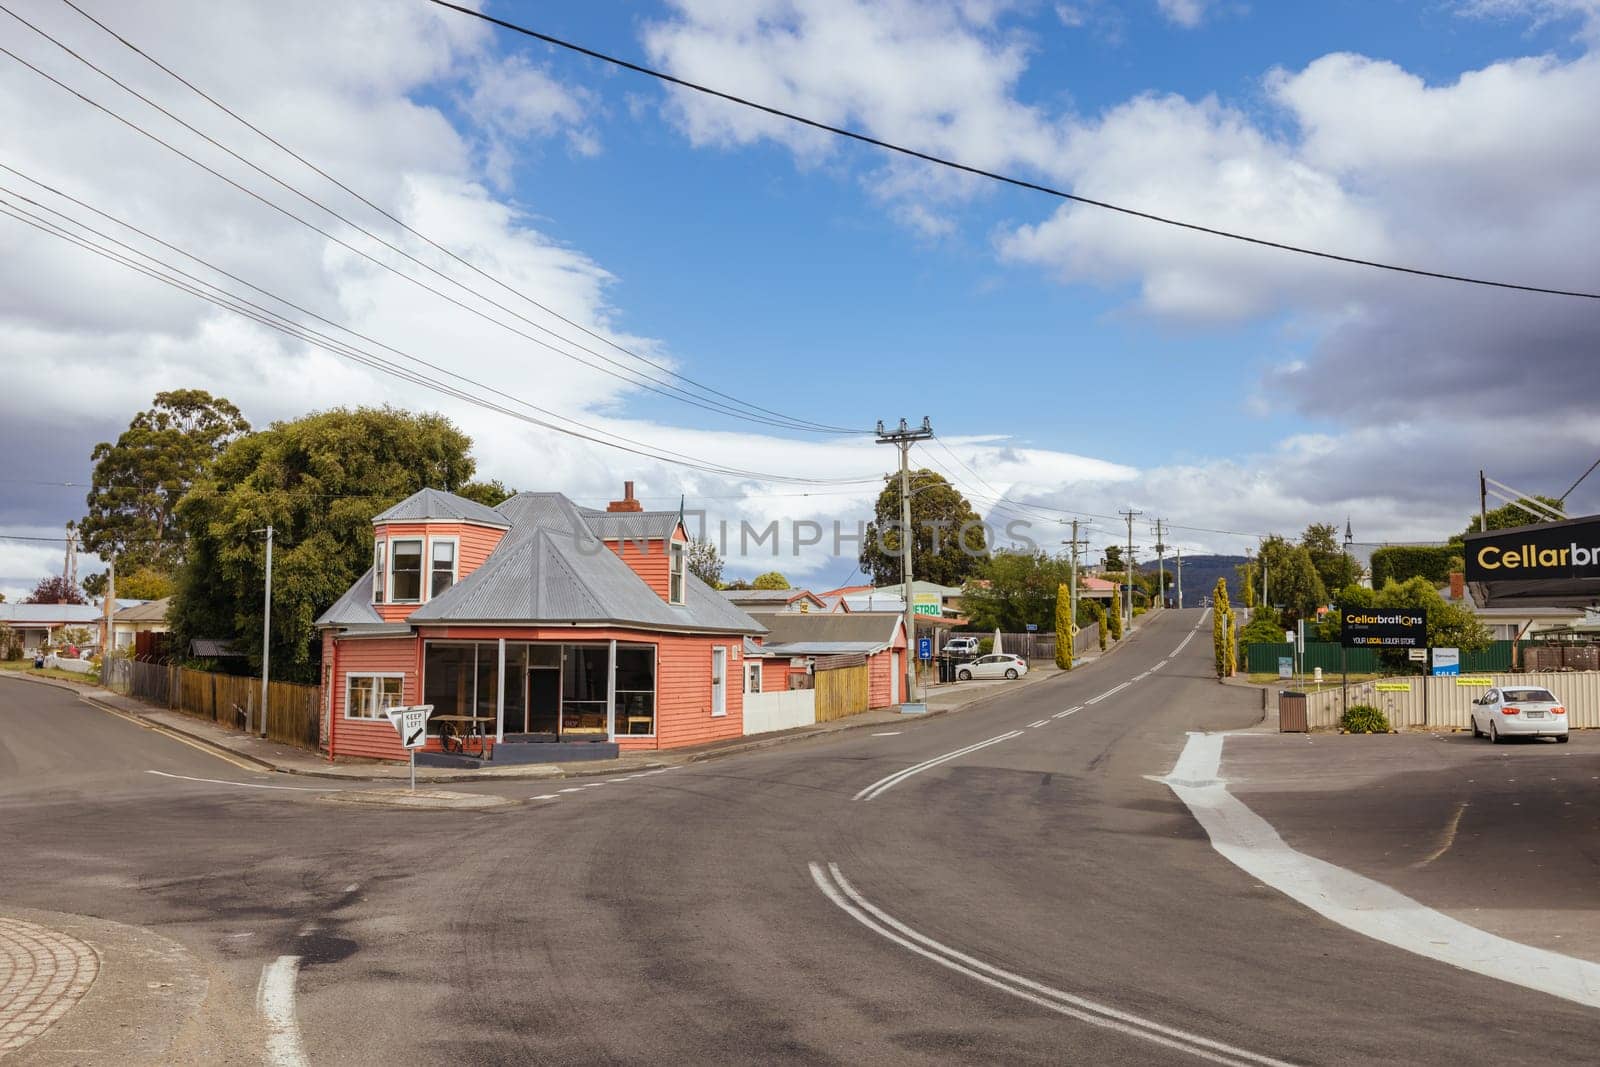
[(546, 796), (1107, 693), (1158, 666), (1183, 644), (845, 897), (1359, 903), (888, 733), (571, 789), (1036, 725), (883, 785), (1141, 677), (250, 785), (275, 1005)]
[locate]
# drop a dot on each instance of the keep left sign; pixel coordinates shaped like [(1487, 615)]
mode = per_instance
[(411, 723)]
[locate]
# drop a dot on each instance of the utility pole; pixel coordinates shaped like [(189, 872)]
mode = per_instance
[(1161, 566), (1179, 550), (904, 437), (1072, 595), (108, 605), (1483, 505), (1129, 514), (266, 633), (69, 566)]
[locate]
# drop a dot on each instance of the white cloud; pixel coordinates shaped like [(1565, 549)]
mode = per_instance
[(1185, 13)]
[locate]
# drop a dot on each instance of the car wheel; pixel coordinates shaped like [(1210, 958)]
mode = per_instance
[(1011, 672), (1472, 720), (963, 676), (1562, 738), (1494, 733)]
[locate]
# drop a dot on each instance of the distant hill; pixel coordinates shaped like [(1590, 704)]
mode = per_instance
[(1200, 574)]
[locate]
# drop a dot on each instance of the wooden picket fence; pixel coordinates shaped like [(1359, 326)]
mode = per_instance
[(293, 711)]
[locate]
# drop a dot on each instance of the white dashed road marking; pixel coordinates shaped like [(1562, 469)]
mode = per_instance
[(883, 785), (1109, 692), (1069, 711)]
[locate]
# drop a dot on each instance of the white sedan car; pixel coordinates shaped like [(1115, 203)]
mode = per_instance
[(995, 665), (1519, 711)]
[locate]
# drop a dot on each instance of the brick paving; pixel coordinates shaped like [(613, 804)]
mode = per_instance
[(43, 973)]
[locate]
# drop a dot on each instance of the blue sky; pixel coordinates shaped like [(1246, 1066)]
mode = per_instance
[(1076, 360)]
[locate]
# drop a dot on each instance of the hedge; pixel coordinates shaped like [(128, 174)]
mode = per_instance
[(1403, 562)]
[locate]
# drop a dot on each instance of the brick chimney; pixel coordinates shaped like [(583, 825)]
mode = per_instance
[(1458, 585), (627, 503)]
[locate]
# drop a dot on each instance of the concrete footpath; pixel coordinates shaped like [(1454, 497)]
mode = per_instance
[(261, 755), (252, 753)]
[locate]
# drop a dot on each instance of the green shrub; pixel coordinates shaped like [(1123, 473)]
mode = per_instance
[(1403, 562), (1364, 719), (1139, 611), (985, 646)]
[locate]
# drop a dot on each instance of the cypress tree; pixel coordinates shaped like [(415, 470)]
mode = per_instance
[(1064, 627)]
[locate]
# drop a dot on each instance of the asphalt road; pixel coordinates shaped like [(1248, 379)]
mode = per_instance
[(1033, 899)]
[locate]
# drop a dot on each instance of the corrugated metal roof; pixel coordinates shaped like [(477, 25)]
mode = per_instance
[(153, 611), (764, 596), (877, 631), (354, 608), (824, 648), (631, 525), (52, 614), (552, 568), (426, 504)]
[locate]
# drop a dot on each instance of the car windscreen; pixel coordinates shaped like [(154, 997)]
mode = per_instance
[(1529, 696)]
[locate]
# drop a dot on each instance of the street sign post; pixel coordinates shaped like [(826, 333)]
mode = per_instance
[(1285, 666), (1417, 655), (924, 648), (411, 723)]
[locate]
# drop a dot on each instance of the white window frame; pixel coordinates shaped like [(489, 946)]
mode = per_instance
[(677, 572), (422, 581), (455, 564), (752, 669), (380, 576), (376, 676), (719, 694)]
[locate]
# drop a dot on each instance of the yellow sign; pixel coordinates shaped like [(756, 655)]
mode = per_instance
[(1393, 687), (1474, 681)]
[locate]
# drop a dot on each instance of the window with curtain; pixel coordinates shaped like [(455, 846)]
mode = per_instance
[(405, 583), (367, 695)]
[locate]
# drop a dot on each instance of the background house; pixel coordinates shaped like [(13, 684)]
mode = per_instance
[(793, 639)]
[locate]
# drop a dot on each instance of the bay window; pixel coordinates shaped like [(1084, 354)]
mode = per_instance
[(444, 567), (405, 578)]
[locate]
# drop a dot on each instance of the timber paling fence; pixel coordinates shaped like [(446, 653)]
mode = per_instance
[(1449, 698), (843, 686), (293, 711)]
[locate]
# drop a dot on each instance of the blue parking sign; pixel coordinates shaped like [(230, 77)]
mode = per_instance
[(924, 648)]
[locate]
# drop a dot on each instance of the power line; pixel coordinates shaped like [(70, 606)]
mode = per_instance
[(799, 423), (630, 376), (272, 320), (966, 168), (1580, 480)]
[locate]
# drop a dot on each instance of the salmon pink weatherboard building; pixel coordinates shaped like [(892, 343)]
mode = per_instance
[(537, 621)]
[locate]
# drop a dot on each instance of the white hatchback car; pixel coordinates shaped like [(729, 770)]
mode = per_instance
[(994, 665), (1519, 711)]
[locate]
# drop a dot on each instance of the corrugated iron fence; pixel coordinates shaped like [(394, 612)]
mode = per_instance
[(1263, 659), (842, 686), (292, 710), (1449, 699)]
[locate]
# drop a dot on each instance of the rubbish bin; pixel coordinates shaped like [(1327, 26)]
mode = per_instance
[(947, 670), (1291, 712)]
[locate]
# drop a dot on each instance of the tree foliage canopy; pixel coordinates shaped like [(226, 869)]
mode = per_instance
[(1021, 589), (318, 481), (770, 580), (55, 590), (948, 542), (1509, 515), (1450, 625), (704, 562), (139, 480), (490, 493)]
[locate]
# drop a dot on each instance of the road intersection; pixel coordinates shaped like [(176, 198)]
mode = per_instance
[(1013, 884)]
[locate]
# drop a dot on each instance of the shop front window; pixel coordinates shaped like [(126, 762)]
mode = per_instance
[(636, 689), (583, 689)]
